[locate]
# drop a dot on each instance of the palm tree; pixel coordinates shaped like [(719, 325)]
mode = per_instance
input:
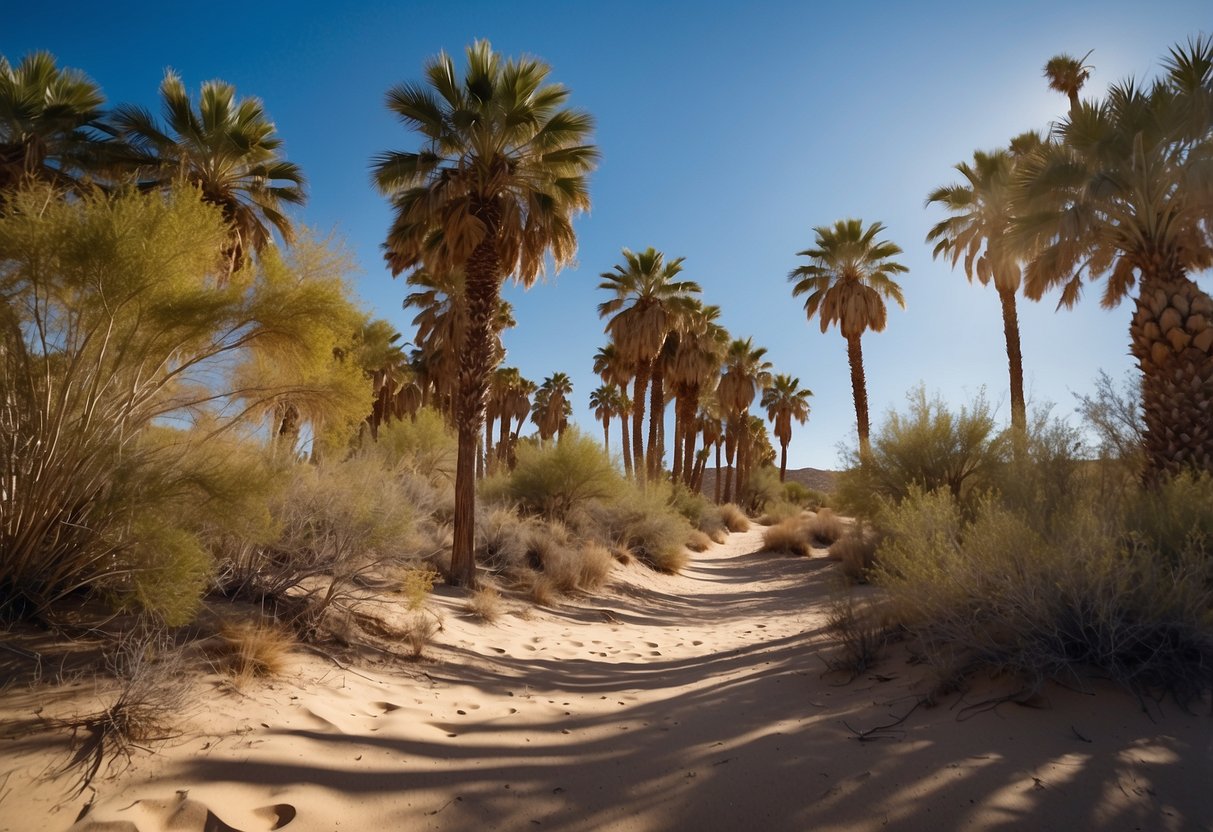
[(784, 401), (648, 301), (847, 280), (694, 366), (552, 407), (604, 401), (382, 358), (745, 373), (51, 126), (979, 229), (501, 172), (1123, 193), (1067, 74), (612, 369), (226, 148)]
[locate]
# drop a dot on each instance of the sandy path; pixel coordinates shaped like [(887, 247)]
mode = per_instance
[(687, 702)]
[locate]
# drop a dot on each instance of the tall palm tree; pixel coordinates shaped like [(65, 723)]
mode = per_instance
[(382, 358), (648, 301), (746, 372), (1067, 74), (610, 366), (51, 125), (848, 277), (227, 149), (694, 366), (552, 407), (784, 401), (1123, 193), (979, 229), (502, 170)]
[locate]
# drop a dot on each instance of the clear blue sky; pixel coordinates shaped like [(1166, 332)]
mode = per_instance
[(726, 135)]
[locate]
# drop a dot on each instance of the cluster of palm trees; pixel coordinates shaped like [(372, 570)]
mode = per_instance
[(54, 128), (1120, 189)]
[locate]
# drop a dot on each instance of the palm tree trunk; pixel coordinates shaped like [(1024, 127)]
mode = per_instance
[(503, 440), (627, 448), (1010, 329), (653, 456), (783, 460), (483, 290), (859, 391), (1172, 340), (729, 457), (717, 483), (640, 388), (482, 460), (677, 469), (688, 439), (606, 434)]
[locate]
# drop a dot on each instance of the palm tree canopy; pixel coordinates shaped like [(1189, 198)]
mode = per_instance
[(1125, 188), (980, 221), (1067, 74), (50, 121), (499, 146), (226, 148), (700, 350), (746, 371), (849, 276), (648, 302)]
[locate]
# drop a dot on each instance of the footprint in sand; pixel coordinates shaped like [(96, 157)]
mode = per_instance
[(577, 644), (386, 707), (696, 643), (497, 649), (651, 644)]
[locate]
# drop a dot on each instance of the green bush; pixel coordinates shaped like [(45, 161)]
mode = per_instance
[(642, 520), (927, 447), (701, 512), (996, 592), (803, 496), (761, 488), (553, 479)]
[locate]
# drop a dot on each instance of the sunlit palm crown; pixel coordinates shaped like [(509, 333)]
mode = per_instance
[(648, 302), (746, 371), (1127, 187), (49, 121), (849, 276), (227, 148), (610, 366), (498, 138), (981, 219), (700, 350), (441, 319)]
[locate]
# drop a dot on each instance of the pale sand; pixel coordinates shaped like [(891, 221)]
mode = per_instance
[(693, 702)]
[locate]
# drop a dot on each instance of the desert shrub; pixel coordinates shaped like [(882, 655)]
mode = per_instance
[(502, 538), (697, 541), (424, 443), (761, 488), (856, 553), (927, 447), (416, 584), (1113, 414), (418, 632), (803, 496), (861, 637), (701, 512), (779, 511), (643, 521), (1173, 519), (788, 537), (825, 527), (248, 649), (555, 478), (484, 604), (734, 518), (994, 591), (114, 327)]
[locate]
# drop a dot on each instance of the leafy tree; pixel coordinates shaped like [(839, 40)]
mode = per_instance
[(228, 150), (502, 170), (849, 275), (1123, 194), (784, 401)]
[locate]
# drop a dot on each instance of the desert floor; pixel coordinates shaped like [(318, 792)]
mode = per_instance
[(700, 702)]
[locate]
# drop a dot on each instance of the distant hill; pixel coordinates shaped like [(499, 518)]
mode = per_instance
[(815, 478)]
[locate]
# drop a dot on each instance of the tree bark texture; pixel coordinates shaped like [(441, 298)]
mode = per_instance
[(859, 391)]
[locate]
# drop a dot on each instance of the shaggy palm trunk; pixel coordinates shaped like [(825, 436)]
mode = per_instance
[(1010, 329), (1172, 340), (783, 459), (730, 454), (640, 387), (676, 462), (653, 456), (716, 496), (688, 438), (627, 449), (503, 440), (606, 434), (859, 391), (475, 363)]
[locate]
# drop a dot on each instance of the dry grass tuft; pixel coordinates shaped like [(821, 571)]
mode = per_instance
[(856, 551), (250, 650), (719, 536), (777, 512), (862, 637), (734, 518), (787, 537), (485, 604), (698, 541), (416, 583), (543, 591), (623, 555), (826, 527), (595, 562), (418, 632)]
